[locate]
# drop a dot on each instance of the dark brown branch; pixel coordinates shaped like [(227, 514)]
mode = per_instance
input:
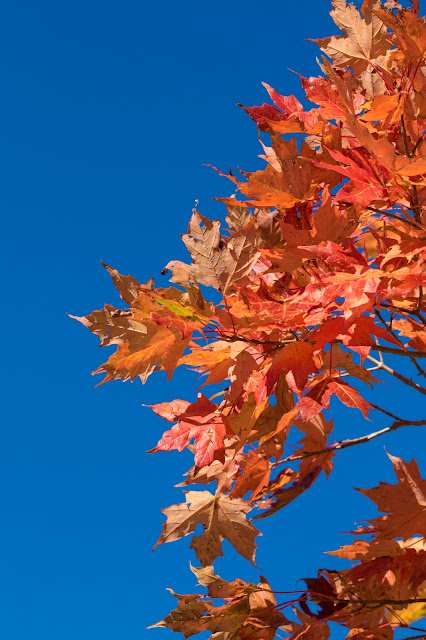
[(344, 444), (396, 352), (420, 300), (412, 223), (415, 203), (416, 146), (388, 328), (400, 352), (405, 138), (414, 199), (383, 603)]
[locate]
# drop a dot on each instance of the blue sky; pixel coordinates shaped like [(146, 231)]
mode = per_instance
[(108, 112)]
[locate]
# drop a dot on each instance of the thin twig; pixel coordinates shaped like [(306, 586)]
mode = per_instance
[(395, 374), (396, 352), (346, 373), (412, 223), (420, 300), (383, 603), (414, 200), (344, 444), (388, 327), (387, 413), (416, 146), (390, 307), (405, 138)]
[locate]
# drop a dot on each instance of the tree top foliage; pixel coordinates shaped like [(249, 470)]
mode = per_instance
[(319, 273)]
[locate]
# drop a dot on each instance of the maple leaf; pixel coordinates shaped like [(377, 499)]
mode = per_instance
[(128, 287), (256, 471), (223, 473), (386, 579), (214, 263), (200, 421), (250, 610), (151, 335), (285, 181), (143, 345), (378, 633), (218, 588), (405, 503), (280, 496), (222, 517), (364, 39), (306, 630), (338, 359), (170, 410), (296, 361), (333, 224), (237, 217), (316, 433), (409, 32), (263, 114), (364, 550), (318, 397), (289, 485), (193, 616)]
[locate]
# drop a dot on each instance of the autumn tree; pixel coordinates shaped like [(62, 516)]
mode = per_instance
[(320, 277)]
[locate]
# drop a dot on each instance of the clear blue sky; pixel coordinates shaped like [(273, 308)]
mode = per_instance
[(108, 111)]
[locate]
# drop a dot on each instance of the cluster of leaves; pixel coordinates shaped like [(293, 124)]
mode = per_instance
[(387, 589), (322, 263)]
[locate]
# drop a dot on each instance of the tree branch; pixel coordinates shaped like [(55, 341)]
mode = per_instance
[(398, 376), (344, 444), (414, 195), (396, 352), (412, 223), (399, 352), (388, 328), (383, 603), (417, 145)]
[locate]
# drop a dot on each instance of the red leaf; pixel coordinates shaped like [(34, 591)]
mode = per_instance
[(318, 398), (200, 421), (296, 361)]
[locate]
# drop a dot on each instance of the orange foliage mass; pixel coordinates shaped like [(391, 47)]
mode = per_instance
[(320, 274)]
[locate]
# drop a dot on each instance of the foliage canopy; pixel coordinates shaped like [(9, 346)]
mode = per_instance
[(320, 274)]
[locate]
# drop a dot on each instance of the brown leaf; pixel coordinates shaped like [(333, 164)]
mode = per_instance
[(405, 502), (281, 497), (256, 471), (195, 616), (364, 40), (237, 217), (249, 613), (216, 587), (214, 264), (221, 517), (364, 550), (189, 618), (128, 287)]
